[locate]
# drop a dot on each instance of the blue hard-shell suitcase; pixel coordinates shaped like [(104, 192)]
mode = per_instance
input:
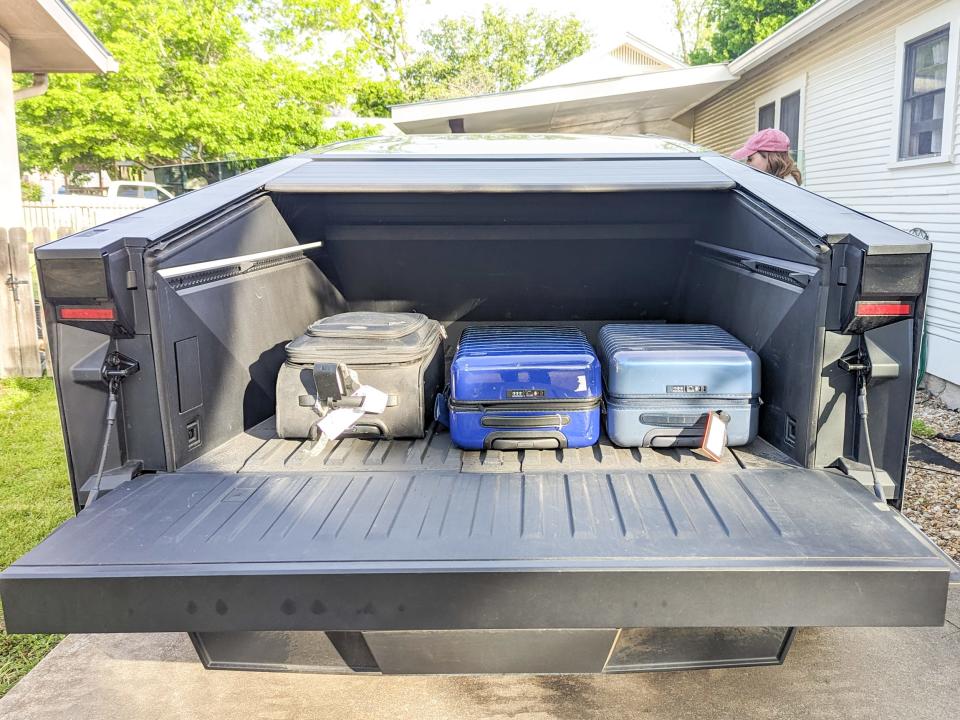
[(661, 381), (516, 387)]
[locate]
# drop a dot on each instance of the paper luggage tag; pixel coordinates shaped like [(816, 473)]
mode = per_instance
[(336, 422), (714, 437), (374, 401)]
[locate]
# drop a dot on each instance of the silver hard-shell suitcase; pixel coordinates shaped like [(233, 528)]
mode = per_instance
[(662, 380)]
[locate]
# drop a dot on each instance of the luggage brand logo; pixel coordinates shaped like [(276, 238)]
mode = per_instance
[(686, 388)]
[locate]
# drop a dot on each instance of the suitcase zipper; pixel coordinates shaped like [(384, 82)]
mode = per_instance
[(552, 405), (361, 332), (673, 401), (361, 356)]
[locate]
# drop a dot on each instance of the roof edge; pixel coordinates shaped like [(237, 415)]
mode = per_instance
[(71, 23), (797, 29), (656, 53), (455, 105)]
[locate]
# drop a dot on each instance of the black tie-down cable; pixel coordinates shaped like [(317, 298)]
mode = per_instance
[(116, 367), (859, 363)]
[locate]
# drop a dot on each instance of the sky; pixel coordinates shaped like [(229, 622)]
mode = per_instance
[(607, 19)]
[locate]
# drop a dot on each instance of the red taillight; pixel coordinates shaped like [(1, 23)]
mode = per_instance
[(86, 313), (883, 309)]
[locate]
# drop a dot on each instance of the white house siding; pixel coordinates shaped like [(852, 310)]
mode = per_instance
[(849, 131)]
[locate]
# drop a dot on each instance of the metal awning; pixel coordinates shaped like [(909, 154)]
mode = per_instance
[(647, 102), (46, 36)]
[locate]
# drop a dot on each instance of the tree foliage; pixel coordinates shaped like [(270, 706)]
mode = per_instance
[(494, 52), (691, 20), (372, 31), (30, 192), (188, 88), (458, 56), (373, 98), (738, 25)]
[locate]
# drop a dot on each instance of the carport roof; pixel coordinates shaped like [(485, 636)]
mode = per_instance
[(611, 103), (46, 36)]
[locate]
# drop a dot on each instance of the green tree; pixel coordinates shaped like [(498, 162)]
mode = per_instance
[(373, 98), (30, 192), (493, 53), (373, 31), (459, 56), (188, 88), (738, 25), (691, 20)]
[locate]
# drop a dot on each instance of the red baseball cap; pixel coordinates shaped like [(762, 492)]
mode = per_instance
[(768, 140)]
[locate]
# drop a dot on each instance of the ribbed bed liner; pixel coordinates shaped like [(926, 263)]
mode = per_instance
[(358, 551), (417, 535), (260, 450)]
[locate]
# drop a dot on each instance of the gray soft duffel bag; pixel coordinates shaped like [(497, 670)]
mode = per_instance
[(400, 354)]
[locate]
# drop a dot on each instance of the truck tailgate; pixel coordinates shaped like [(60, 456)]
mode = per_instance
[(441, 550)]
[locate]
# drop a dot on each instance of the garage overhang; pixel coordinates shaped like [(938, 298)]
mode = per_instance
[(635, 103), (45, 36)]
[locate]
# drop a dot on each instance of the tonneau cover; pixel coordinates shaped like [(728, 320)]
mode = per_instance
[(435, 550), (395, 174)]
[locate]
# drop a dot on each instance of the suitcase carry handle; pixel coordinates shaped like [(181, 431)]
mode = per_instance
[(367, 428), (524, 421), (530, 440)]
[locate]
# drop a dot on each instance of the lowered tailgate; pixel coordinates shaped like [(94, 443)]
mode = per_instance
[(440, 550)]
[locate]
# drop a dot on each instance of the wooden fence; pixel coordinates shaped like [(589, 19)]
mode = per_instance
[(22, 333), (38, 215)]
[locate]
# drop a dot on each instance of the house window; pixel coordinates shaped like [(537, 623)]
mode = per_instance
[(924, 95), (766, 116), (782, 108), (790, 119)]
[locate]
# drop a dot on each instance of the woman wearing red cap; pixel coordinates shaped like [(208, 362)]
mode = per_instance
[(769, 151)]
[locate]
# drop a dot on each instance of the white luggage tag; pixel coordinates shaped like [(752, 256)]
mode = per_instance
[(336, 422), (714, 437)]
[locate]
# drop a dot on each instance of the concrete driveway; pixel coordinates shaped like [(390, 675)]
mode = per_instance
[(843, 673)]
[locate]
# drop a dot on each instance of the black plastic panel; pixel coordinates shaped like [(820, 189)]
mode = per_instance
[(305, 651), (74, 279), (189, 391), (651, 649), (491, 651), (494, 651)]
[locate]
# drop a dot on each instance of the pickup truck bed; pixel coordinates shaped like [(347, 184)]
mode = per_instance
[(260, 450), (411, 555)]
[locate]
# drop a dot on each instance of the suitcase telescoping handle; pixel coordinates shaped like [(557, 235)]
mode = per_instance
[(524, 421)]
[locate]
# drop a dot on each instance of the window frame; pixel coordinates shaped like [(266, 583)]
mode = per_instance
[(906, 34), (774, 96)]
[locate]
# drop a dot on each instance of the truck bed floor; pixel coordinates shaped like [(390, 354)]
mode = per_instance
[(260, 450)]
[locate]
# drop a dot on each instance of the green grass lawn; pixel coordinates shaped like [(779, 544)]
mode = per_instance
[(34, 497)]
